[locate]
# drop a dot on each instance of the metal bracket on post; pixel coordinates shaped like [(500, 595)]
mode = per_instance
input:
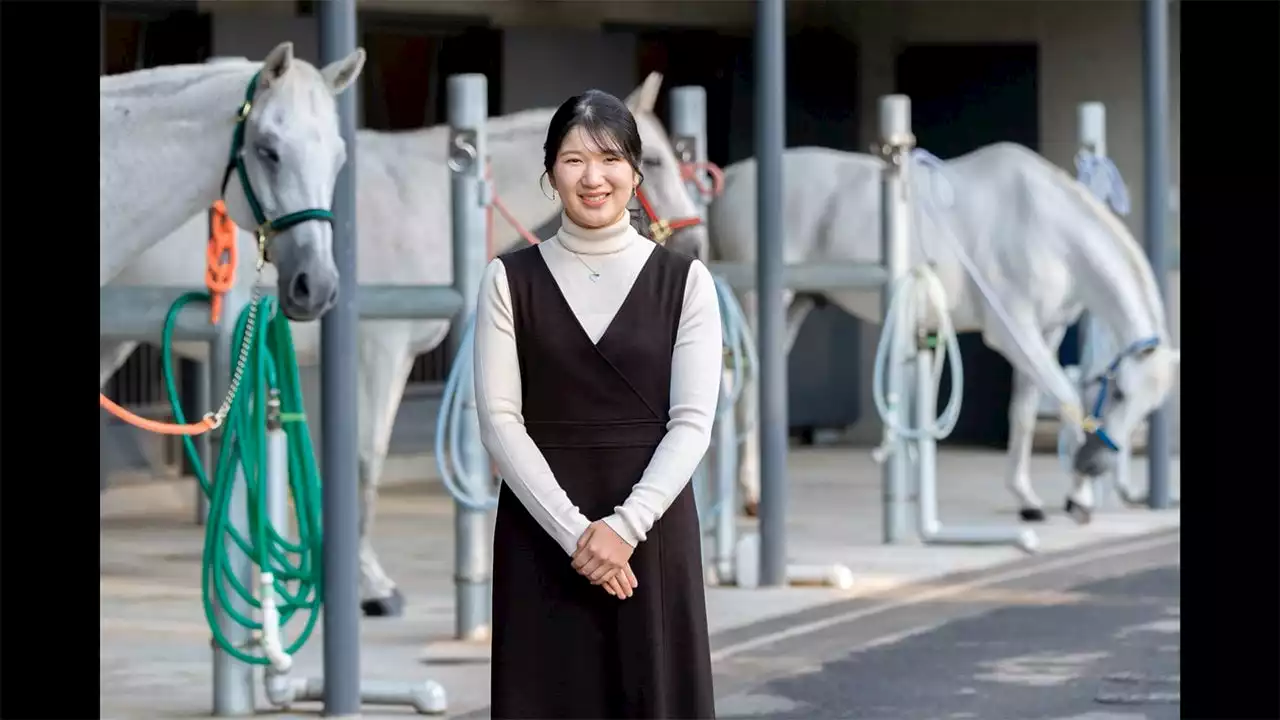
[(895, 146), (468, 111)]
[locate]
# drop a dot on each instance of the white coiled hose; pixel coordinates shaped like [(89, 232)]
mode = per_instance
[(914, 293)]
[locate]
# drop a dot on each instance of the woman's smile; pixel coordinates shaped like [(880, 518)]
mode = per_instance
[(595, 199)]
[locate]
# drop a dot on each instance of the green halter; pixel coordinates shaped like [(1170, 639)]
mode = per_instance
[(266, 228)]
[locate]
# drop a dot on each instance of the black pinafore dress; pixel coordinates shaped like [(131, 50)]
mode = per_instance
[(562, 647)]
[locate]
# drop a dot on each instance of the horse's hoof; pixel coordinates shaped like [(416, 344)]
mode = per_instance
[(1031, 515), (1078, 512), (751, 508), (1131, 502), (390, 606)]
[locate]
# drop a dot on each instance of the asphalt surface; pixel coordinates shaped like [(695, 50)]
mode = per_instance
[(1086, 634), (1096, 640)]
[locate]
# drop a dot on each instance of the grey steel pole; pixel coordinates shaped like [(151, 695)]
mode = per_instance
[(1156, 202), (233, 681), (468, 111), (204, 401), (896, 143), (689, 139), (770, 140), (338, 378), (1092, 126)]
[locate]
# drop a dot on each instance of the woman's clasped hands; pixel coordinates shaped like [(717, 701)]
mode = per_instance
[(604, 558)]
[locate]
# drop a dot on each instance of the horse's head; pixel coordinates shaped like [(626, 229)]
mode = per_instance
[(1136, 383), (290, 151), (663, 195)]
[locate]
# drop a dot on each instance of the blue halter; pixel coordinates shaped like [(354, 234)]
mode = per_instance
[(1105, 380)]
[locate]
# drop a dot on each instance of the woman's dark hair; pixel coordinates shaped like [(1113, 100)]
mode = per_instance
[(610, 125)]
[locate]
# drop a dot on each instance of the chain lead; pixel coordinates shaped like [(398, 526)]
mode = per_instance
[(243, 357)]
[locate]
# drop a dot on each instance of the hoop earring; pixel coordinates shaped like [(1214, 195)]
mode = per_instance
[(550, 197)]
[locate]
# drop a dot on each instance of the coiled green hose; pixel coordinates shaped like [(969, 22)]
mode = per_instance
[(271, 366)]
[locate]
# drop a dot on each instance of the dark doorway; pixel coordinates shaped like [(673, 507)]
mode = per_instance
[(822, 110), (410, 61), (964, 97), (819, 112)]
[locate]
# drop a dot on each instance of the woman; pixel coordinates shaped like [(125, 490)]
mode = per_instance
[(598, 357)]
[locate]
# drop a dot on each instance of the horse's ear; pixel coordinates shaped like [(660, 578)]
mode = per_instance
[(341, 73), (643, 98), (277, 63)]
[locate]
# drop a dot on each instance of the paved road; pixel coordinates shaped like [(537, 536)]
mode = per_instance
[(1096, 639)]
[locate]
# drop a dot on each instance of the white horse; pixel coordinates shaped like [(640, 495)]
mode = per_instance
[(1046, 247), (166, 138), (404, 232)]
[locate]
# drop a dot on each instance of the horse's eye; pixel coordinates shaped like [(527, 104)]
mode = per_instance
[(651, 162), (268, 154), (1118, 394)]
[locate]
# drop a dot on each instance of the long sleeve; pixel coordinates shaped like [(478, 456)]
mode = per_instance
[(695, 389), (498, 404)]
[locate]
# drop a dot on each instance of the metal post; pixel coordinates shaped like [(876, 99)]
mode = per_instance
[(1092, 121), (233, 683), (1156, 202), (277, 480), (688, 125), (200, 386), (338, 378), (896, 143), (770, 140), (468, 111), (689, 134)]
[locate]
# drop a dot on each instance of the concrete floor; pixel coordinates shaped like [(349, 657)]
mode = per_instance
[(155, 652)]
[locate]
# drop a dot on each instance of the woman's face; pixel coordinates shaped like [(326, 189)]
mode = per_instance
[(595, 185)]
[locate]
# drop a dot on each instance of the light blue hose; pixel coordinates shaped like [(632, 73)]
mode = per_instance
[(461, 375), (743, 362)]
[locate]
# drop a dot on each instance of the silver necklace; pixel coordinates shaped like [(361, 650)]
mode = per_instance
[(594, 276)]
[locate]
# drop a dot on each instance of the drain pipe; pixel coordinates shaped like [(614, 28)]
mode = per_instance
[(427, 698), (277, 514), (931, 529)]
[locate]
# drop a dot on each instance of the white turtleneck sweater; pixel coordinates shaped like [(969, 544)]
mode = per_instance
[(618, 253)]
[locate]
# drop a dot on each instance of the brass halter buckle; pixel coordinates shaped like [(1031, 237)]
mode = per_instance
[(660, 230), (264, 234)]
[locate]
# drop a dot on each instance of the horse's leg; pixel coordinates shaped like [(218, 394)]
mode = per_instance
[(111, 355), (797, 312), (797, 309), (385, 364), (1023, 409)]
